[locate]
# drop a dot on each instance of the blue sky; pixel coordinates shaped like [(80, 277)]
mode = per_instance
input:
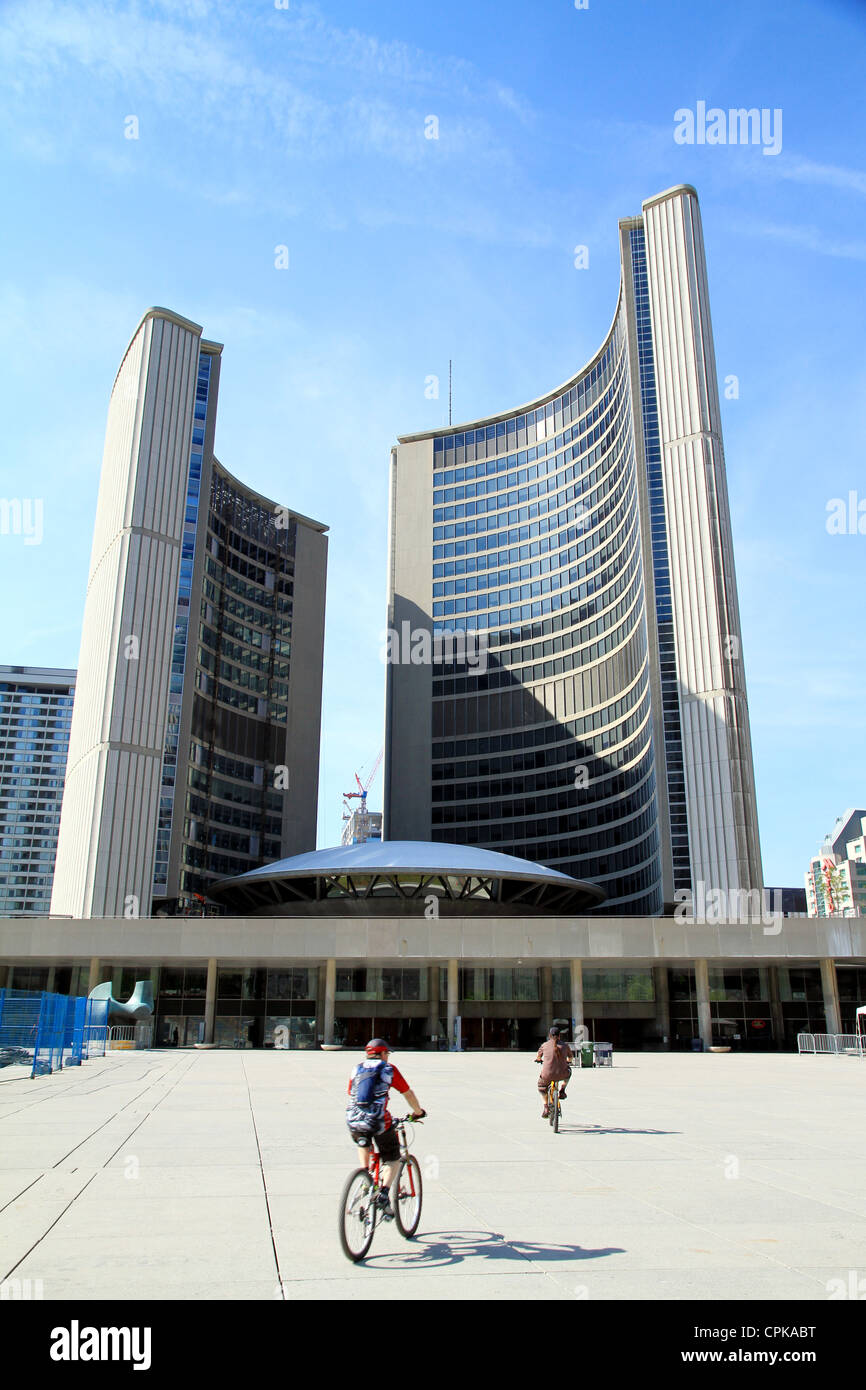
[(305, 127)]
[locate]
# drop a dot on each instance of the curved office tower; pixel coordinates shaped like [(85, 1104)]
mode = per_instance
[(570, 563), (195, 732)]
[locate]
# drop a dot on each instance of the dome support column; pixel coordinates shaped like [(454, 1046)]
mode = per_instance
[(330, 995)]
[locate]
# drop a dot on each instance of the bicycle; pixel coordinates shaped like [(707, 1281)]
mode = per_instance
[(553, 1106), (359, 1204)]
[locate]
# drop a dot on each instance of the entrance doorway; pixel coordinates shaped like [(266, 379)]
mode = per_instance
[(399, 1032), (499, 1034)]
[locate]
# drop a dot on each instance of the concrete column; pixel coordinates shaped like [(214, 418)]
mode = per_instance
[(830, 988), (432, 1004), (4, 976), (576, 998), (453, 1001), (702, 988), (210, 1000), (330, 993), (546, 998), (663, 1005), (94, 974), (49, 983), (776, 1013)]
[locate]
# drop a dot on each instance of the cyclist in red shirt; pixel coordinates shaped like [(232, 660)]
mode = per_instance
[(367, 1114)]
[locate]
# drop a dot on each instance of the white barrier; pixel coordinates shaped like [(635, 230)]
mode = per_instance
[(832, 1044), (130, 1036)]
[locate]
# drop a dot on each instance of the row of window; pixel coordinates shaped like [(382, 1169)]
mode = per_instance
[(564, 755), (538, 471), (620, 493), (543, 420), (563, 730)]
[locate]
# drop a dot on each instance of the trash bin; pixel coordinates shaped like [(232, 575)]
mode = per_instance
[(697, 1044), (604, 1054), (587, 1056)]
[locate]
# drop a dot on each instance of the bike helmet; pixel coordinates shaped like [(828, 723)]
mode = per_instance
[(376, 1046)]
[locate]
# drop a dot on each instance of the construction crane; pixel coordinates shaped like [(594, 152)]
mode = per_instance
[(364, 787), (361, 793)]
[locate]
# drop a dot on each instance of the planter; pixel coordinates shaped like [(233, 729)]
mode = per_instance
[(720, 1049), (331, 1047)]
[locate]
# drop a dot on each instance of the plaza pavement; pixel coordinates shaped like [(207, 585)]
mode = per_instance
[(216, 1174)]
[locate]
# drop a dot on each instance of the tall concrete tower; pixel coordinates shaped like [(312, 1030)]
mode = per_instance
[(195, 731), (595, 716)]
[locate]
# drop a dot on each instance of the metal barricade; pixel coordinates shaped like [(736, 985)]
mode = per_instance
[(76, 1012), (95, 1028), (19, 1026), (833, 1044), (48, 1031), (48, 1053), (129, 1036)]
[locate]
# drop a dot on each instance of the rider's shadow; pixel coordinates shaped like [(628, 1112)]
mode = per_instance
[(438, 1249), (615, 1129)]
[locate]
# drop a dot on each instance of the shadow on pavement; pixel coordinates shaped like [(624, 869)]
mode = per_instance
[(614, 1129), (435, 1249)]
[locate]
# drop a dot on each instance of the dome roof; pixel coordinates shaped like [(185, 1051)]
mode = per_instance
[(385, 876)]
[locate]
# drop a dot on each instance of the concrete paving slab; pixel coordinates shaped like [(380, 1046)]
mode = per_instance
[(802, 1245), (14, 1181), (133, 1289), (673, 1178), (134, 1182), (437, 1288)]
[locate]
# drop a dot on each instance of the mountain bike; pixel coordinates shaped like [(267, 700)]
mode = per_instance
[(553, 1106), (360, 1208)]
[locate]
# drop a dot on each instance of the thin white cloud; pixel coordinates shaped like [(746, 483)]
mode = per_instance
[(829, 175), (808, 238), (209, 70)]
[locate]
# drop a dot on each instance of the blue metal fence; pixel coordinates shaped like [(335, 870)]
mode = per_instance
[(50, 1031)]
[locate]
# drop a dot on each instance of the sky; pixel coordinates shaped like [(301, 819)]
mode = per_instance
[(261, 125)]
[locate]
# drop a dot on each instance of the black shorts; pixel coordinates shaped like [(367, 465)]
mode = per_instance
[(387, 1143)]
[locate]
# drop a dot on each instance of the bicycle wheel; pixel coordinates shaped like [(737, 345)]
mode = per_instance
[(551, 1104), (357, 1215), (555, 1111), (406, 1197)]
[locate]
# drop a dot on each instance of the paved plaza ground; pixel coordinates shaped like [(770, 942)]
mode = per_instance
[(216, 1174)]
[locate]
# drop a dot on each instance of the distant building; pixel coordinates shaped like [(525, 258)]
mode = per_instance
[(836, 878), (362, 826), (35, 715), (194, 749)]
